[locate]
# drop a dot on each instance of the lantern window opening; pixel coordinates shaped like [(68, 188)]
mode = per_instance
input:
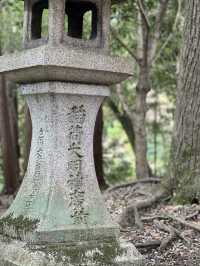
[(39, 22), (82, 19)]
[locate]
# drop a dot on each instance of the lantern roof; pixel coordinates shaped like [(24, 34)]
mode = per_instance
[(65, 65)]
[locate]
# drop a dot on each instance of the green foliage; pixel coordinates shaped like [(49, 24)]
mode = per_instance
[(11, 25), (118, 155)]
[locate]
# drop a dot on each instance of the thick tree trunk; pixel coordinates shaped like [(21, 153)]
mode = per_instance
[(98, 150), (185, 156), (10, 158)]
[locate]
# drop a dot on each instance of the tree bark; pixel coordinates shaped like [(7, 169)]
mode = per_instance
[(142, 89), (28, 137), (185, 155), (98, 150), (10, 158), (13, 119)]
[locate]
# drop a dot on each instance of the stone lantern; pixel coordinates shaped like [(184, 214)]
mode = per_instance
[(59, 216)]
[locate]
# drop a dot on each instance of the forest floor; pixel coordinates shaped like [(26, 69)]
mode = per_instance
[(167, 235)]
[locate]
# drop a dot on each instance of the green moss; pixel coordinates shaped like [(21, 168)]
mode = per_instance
[(16, 227), (99, 254)]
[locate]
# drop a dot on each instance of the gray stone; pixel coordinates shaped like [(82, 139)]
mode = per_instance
[(56, 30), (47, 63), (60, 187), (73, 35), (17, 253)]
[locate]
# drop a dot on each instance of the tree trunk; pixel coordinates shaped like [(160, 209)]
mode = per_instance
[(10, 158), (28, 137), (129, 129), (143, 87), (142, 169), (98, 150), (155, 129), (125, 122), (185, 156), (13, 119)]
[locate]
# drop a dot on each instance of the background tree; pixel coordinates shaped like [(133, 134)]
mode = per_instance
[(150, 29), (185, 157), (8, 141), (98, 150)]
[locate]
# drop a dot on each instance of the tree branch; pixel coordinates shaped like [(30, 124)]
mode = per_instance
[(178, 15), (144, 33), (123, 101), (162, 8), (141, 6), (115, 35)]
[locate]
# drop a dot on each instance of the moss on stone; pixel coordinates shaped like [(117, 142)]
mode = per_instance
[(16, 227), (99, 254)]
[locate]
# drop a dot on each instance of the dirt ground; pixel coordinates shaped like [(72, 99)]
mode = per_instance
[(182, 250)]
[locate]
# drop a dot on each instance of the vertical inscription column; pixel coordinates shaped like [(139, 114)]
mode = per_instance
[(37, 175), (76, 119)]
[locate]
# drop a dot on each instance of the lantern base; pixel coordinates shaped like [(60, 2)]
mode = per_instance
[(17, 253)]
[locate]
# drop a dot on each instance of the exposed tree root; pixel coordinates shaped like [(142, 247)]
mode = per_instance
[(179, 220), (143, 194), (131, 214), (131, 184), (183, 222), (173, 234), (152, 218), (152, 244), (163, 244), (169, 229), (193, 215)]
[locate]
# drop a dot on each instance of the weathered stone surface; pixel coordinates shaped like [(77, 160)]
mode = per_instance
[(57, 34), (60, 64), (72, 36), (60, 188), (59, 214), (16, 253)]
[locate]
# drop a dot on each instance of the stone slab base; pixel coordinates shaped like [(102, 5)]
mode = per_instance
[(16, 253)]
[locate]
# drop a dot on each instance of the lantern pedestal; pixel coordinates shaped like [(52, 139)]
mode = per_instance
[(93, 253), (59, 216)]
